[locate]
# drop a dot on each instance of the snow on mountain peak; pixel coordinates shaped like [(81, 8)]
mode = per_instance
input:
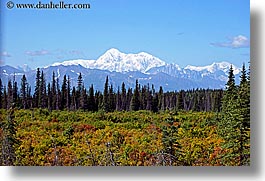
[(24, 68), (114, 60), (113, 51), (110, 56), (223, 66), (84, 63)]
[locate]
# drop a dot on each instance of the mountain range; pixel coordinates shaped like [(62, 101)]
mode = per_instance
[(121, 67)]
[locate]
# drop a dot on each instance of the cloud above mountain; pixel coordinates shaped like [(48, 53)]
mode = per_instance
[(239, 41), (37, 53), (5, 54), (57, 54)]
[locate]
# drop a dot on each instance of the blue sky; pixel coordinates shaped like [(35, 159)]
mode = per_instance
[(186, 32)]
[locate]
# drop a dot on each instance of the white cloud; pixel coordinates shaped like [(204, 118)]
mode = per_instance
[(58, 53), (5, 54), (37, 53), (75, 52), (239, 41)]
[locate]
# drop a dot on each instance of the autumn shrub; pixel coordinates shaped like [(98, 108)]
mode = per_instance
[(137, 138)]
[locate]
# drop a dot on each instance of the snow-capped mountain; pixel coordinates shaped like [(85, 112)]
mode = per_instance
[(6, 71), (121, 67), (114, 60), (218, 71), (24, 68), (223, 66)]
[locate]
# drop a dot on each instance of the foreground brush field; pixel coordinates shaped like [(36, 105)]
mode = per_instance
[(141, 138)]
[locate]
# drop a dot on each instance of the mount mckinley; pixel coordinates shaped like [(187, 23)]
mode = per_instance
[(121, 67)]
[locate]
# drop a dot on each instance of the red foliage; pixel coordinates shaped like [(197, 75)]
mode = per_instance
[(54, 120), (84, 127), (1, 133), (151, 128), (141, 158)]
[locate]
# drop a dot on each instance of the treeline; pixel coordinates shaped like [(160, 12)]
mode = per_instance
[(56, 96)]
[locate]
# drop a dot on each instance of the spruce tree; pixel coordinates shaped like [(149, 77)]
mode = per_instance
[(161, 103), (73, 100), (68, 96), (64, 93), (180, 102), (155, 103), (230, 85), (112, 100), (37, 93), (230, 126), (148, 98), (1, 94), (80, 93), (244, 97), (58, 95), (5, 99), (49, 101), (98, 100), (142, 98), (123, 97), (243, 76), (105, 103), (9, 94), (118, 100), (53, 92), (42, 91), (84, 99), (23, 91), (91, 99), (244, 108), (128, 98), (79, 82), (135, 102), (9, 140), (29, 97), (171, 146), (15, 91)]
